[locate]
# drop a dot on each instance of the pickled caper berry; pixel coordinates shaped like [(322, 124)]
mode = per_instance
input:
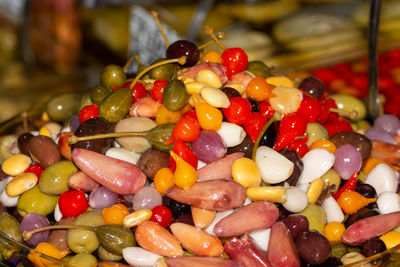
[(98, 93), (112, 75), (258, 68), (175, 96), (163, 72)]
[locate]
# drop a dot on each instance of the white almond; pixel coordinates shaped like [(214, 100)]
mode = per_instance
[(382, 178), (215, 97), (274, 167), (332, 210), (296, 200), (316, 163), (388, 202), (123, 154), (261, 238), (231, 134), (137, 256), (8, 201)]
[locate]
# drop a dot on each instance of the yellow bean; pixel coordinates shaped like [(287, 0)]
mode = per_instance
[(137, 217), (21, 183), (208, 77), (246, 172), (272, 193), (280, 80), (16, 164), (314, 190), (215, 97), (45, 131), (391, 239), (194, 87)]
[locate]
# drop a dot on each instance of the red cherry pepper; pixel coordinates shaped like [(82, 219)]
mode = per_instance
[(300, 146), (88, 112), (266, 109), (35, 168), (235, 60), (138, 91), (341, 125), (158, 89), (310, 108), (185, 153), (186, 129), (161, 215), (72, 203), (325, 114), (254, 126), (348, 186), (325, 75), (291, 126), (239, 111)]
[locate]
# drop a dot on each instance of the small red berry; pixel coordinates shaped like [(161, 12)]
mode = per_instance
[(239, 111), (88, 112), (161, 215), (235, 60), (138, 91), (72, 203), (158, 89)]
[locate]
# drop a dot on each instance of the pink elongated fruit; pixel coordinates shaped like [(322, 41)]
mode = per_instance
[(245, 251), (80, 180), (218, 195), (119, 176), (219, 169), (255, 216), (370, 227), (281, 248), (202, 262)]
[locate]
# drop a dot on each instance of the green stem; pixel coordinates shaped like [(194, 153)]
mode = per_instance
[(28, 234), (73, 139), (260, 135)]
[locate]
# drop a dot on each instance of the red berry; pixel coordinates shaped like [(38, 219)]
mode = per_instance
[(72, 203), (88, 112), (158, 89), (138, 91), (310, 108), (239, 111), (266, 109), (235, 60), (35, 168), (300, 146), (161, 215), (292, 125)]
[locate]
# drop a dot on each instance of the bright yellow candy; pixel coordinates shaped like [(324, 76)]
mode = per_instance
[(246, 172), (47, 249), (272, 193), (315, 189), (163, 180), (210, 118), (333, 231), (115, 214), (391, 239), (351, 201), (137, 217), (325, 144), (185, 175), (212, 56)]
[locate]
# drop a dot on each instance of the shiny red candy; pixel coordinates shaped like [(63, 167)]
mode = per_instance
[(161, 215), (239, 111), (235, 60), (88, 112), (72, 203), (157, 91)]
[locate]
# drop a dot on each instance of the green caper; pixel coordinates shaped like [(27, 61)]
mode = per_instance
[(53, 180), (85, 101), (338, 250), (175, 96), (159, 134), (9, 226), (114, 237), (163, 72), (61, 107), (116, 105), (98, 93), (113, 75), (35, 201), (258, 68), (83, 259), (105, 255)]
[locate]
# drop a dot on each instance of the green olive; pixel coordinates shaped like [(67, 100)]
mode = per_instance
[(83, 259), (53, 180), (114, 238), (116, 105), (338, 250), (159, 134), (350, 103), (9, 226), (331, 177), (35, 201), (98, 93), (61, 107), (85, 101), (113, 75), (316, 131), (258, 68), (105, 255), (163, 72), (175, 96)]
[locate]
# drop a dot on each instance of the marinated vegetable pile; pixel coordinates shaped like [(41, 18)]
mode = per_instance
[(202, 159)]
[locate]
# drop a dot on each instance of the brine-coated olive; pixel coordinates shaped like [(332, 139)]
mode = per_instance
[(255, 107), (316, 131), (175, 96), (44, 150), (177, 208), (359, 141), (372, 246), (98, 93), (23, 142), (298, 166), (338, 250), (313, 87), (35, 201), (61, 107), (85, 101), (350, 103), (10, 226), (163, 72), (116, 105), (113, 75), (53, 180), (270, 135), (331, 262), (115, 238), (366, 190), (184, 48), (313, 247), (159, 134), (231, 92), (94, 126), (83, 259), (258, 68), (296, 223), (152, 160), (246, 147), (105, 255), (59, 237)]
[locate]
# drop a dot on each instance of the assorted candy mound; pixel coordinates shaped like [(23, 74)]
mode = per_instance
[(202, 159)]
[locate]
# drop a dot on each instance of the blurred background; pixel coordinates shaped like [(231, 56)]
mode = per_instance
[(54, 46)]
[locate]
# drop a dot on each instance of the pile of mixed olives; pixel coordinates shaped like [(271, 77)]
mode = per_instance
[(201, 159)]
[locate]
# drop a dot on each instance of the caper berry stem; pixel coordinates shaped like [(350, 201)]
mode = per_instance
[(73, 139), (155, 16), (260, 135), (373, 257), (210, 31), (26, 235), (220, 35), (129, 62), (24, 116), (181, 61), (352, 115)]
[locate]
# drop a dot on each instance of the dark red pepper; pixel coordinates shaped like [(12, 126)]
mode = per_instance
[(348, 186), (183, 151), (157, 91), (292, 125), (239, 111), (255, 124), (187, 129), (310, 108)]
